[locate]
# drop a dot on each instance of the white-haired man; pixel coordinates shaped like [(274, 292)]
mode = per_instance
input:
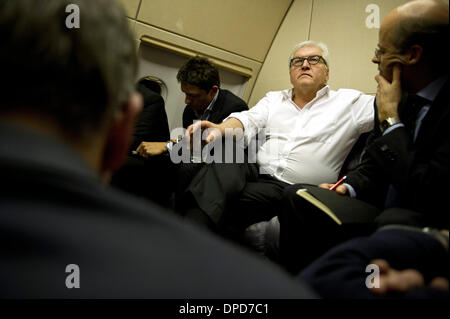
[(309, 131)]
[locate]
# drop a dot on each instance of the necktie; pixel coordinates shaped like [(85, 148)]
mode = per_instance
[(410, 111)]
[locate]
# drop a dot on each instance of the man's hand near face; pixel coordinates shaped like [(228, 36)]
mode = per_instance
[(389, 95)]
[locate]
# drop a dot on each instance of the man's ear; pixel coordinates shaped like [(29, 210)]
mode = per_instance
[(214, 89), (413, 55), (120, 134)]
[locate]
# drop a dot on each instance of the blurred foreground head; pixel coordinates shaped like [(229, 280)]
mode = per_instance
[(76, 82)]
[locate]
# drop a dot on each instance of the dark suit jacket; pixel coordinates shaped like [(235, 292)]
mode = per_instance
[(135, 174), (418, 170), (152, 124), (55, 212), (226, 104)]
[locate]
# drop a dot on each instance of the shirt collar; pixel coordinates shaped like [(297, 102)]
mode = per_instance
[(323, 91), (210, 106), (431, 91)]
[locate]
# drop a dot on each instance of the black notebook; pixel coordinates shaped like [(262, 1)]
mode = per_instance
[(341, 209)]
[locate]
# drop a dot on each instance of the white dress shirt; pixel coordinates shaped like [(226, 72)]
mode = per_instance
[(307, 145)]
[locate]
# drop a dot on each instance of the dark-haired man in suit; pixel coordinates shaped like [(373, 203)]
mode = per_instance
[(205, 100)]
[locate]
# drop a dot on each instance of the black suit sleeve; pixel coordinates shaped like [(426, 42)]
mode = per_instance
[(226, 104), (241, 107), (417, 169), (188, 117)]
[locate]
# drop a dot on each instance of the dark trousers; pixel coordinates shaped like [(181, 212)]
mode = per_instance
[(155, 178), (151, 178), (341, 272), (185, 174), (306, 232), (232, 196)]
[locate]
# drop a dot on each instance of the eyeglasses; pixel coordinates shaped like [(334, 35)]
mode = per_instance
[(313, 60), (379, 52)]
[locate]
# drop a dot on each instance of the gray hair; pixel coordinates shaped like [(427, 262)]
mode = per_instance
[(322, 46), (79, 76)]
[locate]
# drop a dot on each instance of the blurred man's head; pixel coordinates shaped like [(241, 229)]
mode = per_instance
[(414, 35), (76, 82), (200, 82)]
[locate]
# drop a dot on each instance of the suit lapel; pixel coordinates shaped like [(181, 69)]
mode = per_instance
[(216, 111), (432, 122)]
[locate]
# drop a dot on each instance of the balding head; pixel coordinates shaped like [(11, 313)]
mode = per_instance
[(425, 9), (414, 36), (421, 22)]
